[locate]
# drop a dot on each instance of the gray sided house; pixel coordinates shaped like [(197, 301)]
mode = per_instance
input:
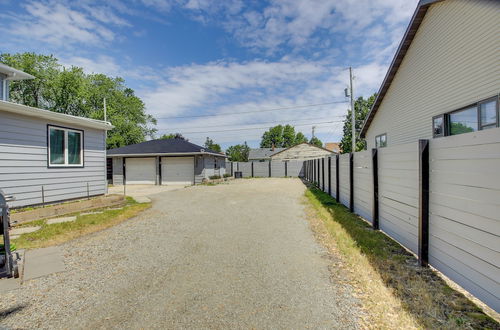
[(46, 156), (165, 162)]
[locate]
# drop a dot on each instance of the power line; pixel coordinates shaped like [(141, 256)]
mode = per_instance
[(287, 121), (255, 128), (254, 111)]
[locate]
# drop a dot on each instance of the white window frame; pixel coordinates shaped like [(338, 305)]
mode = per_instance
[(66, 154), (378, 140)]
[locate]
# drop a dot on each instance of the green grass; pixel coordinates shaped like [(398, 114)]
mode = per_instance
[(396, 292), (58, 233)]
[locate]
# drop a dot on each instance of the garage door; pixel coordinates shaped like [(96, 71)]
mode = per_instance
[(177, 170), (140, 170)]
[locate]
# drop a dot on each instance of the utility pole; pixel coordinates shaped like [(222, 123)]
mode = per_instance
[(313, 129), (105, 146), (353, 113)]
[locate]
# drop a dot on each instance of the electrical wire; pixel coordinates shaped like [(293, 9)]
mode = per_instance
[(254, 111), (256, 128)]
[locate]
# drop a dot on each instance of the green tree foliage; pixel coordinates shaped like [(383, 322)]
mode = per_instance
[(281, 137), (300, 138), (362, 107), (459, 128), (315, 141), (209, 144), (173, 136), (238, 153), (73, 92)]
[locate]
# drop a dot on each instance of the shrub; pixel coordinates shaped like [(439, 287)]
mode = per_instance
[(227, 175), (214, 177)]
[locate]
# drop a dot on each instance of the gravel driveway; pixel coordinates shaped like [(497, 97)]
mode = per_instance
[(237, 255)]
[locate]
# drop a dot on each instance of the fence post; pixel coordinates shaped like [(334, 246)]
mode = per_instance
[(88, 191), (375, 188), (43, 197), (330, 176), (286, 168), (269, 168), (252, 168), (423, 215), (337, 183), (232, 169), (351, 181), (318, 174), (323, 173)]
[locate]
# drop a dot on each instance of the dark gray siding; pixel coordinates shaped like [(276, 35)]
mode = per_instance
[(23, 163)]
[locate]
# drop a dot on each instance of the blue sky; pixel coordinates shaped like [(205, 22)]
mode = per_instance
[(201, 59)]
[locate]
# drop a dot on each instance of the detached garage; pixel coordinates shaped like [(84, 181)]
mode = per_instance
[(165, 162)]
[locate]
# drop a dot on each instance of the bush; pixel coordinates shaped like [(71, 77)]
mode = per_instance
[(227, 175), (214, 177)]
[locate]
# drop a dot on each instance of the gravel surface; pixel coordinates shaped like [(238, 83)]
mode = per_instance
[(237, 255)]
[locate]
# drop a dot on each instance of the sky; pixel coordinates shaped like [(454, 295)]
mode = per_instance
[(226, 69)]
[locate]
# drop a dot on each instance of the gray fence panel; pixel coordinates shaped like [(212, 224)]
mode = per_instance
[(261, 169), (398, 193), (295, 168), (344, 179), (277, 169), (464, 207), (246, 169), (320, 167), (333, 168), (363, 184)]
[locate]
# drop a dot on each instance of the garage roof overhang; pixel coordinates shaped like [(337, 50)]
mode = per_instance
[(168, 154)]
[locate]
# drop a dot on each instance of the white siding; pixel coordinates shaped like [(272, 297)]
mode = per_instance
[(23, 163), (452, 62)]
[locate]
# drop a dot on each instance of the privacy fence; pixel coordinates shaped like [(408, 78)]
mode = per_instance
[(267, 169), (439, 198)]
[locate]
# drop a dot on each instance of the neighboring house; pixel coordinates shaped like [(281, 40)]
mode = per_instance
[(444, 79), (163, 162), (301, 151), (262, 154), (47, 156), (333, 146)]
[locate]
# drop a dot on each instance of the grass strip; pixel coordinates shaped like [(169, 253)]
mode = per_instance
[(58, 233), (394, 290)]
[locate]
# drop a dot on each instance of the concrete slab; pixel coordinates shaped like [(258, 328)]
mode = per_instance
[(141, 199), (42, 262), (24, 230), (89, 213), (60, 220)]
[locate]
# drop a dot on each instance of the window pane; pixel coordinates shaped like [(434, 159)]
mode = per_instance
[(383, 140), (377, 141), (438, 126), (488, 113), (56, 146), (74, 148), (463, 121)]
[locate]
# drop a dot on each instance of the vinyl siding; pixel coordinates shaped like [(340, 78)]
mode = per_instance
[(452, 62), (23, 163)]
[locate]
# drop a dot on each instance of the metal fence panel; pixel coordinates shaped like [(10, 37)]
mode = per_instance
[(344, 177), (363, 184)]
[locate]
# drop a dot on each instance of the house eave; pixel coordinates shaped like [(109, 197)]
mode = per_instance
[(53, 116), (405, 43)]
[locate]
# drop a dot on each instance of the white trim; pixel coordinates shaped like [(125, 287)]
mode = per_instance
[(14, 74), (54, 116), (167, 154), (66, 153)]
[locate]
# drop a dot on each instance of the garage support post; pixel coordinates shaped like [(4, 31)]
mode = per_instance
[(337, 182), (252, 169), (269, 168), (423, 215), (330, 176), (323, 174), (158, 170)]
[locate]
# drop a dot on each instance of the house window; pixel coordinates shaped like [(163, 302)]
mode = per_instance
[(216, 164), (65, 147), (480, 116), (438, 126), (381, 140)]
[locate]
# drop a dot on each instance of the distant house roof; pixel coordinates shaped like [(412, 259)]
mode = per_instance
[(263, 153), (14, 74), (162, 147), (306, 143), (333, 146), (53, 116), (411, 30)]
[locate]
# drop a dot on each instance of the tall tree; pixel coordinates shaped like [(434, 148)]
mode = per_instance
[(362, 107), (300, 138), (173, 136), (71, 91), (238, 153), (209, 144), (288, 136), (315, 141)]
